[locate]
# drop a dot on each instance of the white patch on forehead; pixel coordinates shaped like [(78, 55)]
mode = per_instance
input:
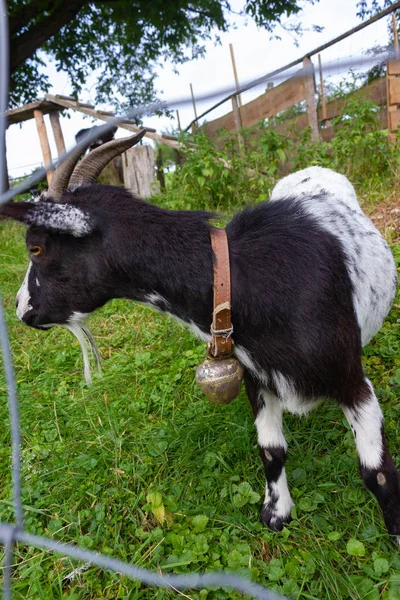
[(24, 297), (61, 217)]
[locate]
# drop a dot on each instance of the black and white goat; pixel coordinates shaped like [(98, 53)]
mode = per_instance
[(312, 281)]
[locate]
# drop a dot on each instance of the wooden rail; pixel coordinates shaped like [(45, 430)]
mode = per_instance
[(52, 105), (268, 76), (107, 116), (393, 97), (279, 98), (267, 105)]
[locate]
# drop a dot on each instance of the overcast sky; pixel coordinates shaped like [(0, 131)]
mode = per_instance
[(256, 54)]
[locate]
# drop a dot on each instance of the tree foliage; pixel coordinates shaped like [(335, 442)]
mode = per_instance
[(368, 8), (122, 41)]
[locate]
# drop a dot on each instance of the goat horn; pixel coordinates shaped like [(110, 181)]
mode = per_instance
[(92, 165), (63, 172)]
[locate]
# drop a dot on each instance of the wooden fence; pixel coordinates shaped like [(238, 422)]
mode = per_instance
[(269, 104), (384, 92)]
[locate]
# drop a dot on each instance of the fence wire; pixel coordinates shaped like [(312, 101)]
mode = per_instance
[(10, 533)]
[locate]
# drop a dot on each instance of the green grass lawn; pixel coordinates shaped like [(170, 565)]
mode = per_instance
[(141, 467)]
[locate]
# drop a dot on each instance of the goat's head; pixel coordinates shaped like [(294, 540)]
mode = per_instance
[(64, 280)]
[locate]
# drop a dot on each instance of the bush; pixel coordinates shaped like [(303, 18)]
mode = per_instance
[(223, 177), (218, 179)]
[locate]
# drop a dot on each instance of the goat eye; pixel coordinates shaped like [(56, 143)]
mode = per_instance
[(36, 250)]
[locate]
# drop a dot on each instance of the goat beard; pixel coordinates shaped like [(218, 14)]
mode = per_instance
[(85, 339)]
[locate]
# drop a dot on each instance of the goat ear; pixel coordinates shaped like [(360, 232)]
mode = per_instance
[(63, 218)]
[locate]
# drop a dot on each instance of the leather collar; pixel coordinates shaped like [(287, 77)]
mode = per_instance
[(221, 330)]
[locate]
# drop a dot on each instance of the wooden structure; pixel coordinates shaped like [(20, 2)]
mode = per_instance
[(237, 102), (311, 104), (52, 105), (322, 89), (296, 89), (316, 51), (385, 92), (138, 166), (393, 97), (267, 105), (375, 91)]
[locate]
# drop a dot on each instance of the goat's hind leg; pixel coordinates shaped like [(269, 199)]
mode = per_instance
[(377, 468), (277, 505)]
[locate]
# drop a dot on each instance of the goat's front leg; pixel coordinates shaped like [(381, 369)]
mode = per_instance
[(277, 505), (377, 468)]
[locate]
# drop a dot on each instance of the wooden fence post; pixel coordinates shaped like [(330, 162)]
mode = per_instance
[(237, 103), (44, 141), (309, 84), (393, 85), (321, 83), (393, 96), (195, 125), (235, 73), (179, 121), (395, 35), (238, 121), (138, 168), (57, 132)]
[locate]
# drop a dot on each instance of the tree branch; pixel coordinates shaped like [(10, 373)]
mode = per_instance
[(25, 45), (24, 15)]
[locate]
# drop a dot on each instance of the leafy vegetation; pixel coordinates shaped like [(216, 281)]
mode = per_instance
[(359, 150), (121, 41), (141, 467)]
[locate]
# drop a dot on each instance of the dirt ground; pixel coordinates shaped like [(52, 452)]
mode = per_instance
[(386, 217)]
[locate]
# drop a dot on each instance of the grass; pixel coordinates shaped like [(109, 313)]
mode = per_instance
[(141, 467)]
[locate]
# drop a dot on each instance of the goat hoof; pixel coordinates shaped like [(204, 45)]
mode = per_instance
[(269, 517), (392, 522)]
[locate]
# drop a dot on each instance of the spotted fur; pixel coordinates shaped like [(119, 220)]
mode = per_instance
[(312, 280), (330, 198)]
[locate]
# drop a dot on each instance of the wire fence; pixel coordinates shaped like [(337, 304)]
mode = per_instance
[(11, 533)]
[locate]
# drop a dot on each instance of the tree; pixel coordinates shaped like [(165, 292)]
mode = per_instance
[(122, 41), (368, 8)]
